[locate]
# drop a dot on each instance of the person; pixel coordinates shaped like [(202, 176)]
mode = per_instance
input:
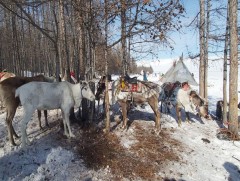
[(183, 98), (185, 86), (145, 76)]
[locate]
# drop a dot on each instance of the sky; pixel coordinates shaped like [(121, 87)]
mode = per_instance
[(187, 40)]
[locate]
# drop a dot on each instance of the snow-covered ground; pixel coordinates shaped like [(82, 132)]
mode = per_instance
[(191, 152)]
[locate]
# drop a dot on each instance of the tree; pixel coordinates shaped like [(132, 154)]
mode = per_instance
[(107, 122), (225, 59), (202, 49), (123, 36), (233, 79), (206, 50)]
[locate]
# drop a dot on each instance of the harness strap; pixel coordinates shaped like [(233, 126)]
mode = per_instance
[(2, 74)]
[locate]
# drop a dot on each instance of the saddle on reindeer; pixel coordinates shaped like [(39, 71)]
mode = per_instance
[(127, 90), (130, 85)]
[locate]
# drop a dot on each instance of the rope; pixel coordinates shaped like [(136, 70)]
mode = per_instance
[(232, 136), (231, 123)]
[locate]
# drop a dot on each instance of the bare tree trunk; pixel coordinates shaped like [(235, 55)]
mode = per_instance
[(202, 49), (83, 114), (206, 51), (233, 79), (224, 116), (123, 35), (15, 42), (62, 55), (56, 42), (8, 41), (107, 123), (64, 51)]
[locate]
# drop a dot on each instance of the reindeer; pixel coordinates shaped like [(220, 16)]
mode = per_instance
[(128, 91), (7, 93), (47, 96)]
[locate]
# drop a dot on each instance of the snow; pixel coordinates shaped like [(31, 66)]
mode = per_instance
[(201, 155)]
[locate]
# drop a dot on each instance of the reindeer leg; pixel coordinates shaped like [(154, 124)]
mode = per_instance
[(154, 105), (27, 116), (179, 119), (11, 110), (187, 117), (39, 119), (46, 119), (66, 133), (104, 108), (161, 106), (124, 114), (66, 123), (98, 107)]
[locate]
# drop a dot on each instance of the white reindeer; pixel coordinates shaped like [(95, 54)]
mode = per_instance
[(47, 96)]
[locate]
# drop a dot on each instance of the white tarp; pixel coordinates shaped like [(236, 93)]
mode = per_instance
[(179, 72)]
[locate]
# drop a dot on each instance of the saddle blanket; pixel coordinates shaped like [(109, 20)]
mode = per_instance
[(132, 87)]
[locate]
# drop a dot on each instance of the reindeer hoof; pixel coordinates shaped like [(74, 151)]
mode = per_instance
[(187, 120), (179, 123), (28, 142), (16, 136), (157, 130), (105, 130), (209, 117), (124, 127), (72, 136), (13, 143)]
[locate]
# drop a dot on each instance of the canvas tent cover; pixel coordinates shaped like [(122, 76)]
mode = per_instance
[(179, 72)]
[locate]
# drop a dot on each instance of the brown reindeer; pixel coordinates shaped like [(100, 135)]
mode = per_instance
[(200, 104), (5, 75), (7, 95), (128, 91)]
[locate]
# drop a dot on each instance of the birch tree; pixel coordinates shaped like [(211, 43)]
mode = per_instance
[(225, 60)]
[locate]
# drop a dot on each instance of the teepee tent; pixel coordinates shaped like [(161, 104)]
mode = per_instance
[(179, 72)]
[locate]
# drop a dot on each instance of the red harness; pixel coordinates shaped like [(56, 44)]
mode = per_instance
[(2, 74)]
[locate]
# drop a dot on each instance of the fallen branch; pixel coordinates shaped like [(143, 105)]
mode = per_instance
[(236, 158)]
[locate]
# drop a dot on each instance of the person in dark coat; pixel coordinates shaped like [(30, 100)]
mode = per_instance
[(145, 76)]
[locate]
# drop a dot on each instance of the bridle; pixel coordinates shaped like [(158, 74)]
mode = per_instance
[(82, 87)]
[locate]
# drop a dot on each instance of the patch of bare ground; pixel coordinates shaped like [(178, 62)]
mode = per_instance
[(144, 159)]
